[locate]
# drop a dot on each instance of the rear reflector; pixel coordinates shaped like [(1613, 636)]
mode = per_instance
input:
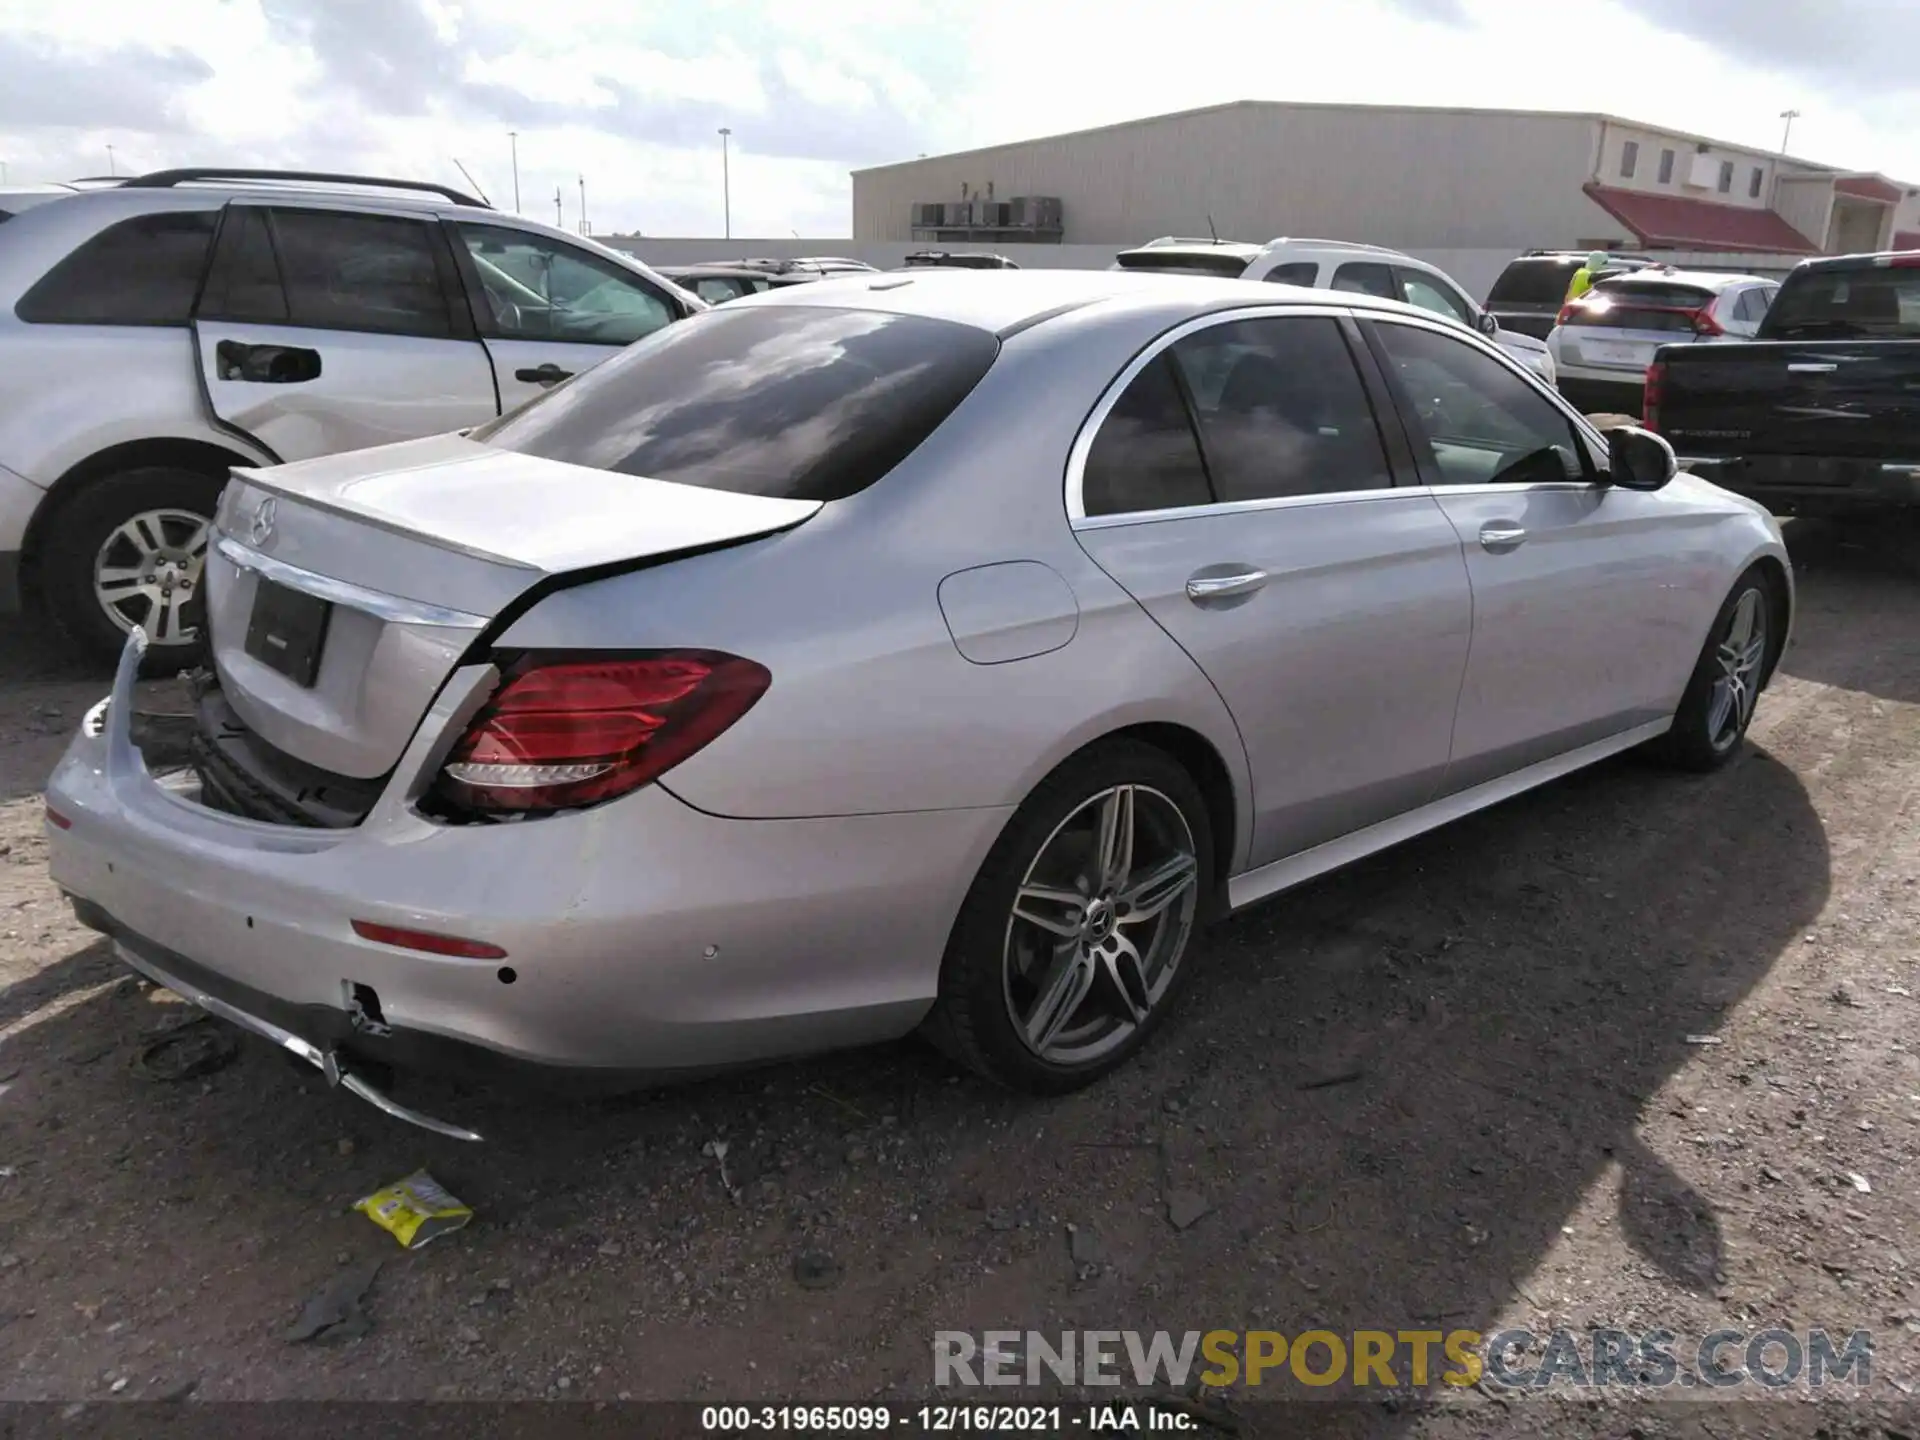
[(57, 820), (564, 734), (426, 940)]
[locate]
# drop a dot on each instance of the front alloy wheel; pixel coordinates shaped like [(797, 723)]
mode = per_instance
[(1739, 658)]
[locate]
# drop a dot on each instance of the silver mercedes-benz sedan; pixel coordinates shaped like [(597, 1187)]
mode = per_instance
[(916, 651)]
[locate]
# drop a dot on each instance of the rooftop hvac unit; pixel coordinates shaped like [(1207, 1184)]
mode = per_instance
[(1037, 211), (926, 214), (959, 213)]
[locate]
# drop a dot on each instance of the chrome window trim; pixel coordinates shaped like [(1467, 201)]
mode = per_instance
[(1078, 519), (390, 608), (1089, 430)]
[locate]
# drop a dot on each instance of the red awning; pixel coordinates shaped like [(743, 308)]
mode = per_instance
[(1675, 222), (1867, 187)]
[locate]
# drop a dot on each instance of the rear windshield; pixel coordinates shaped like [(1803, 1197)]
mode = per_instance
[(1183, 262), (1846, 305), (1533, 282), (797, 402), (1655, 293)]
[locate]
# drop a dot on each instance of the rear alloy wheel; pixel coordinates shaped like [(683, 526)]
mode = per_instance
[(1070, 944), (1718, 706), (131, 549)]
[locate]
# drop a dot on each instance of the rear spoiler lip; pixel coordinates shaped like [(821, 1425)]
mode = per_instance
[(257, 478)]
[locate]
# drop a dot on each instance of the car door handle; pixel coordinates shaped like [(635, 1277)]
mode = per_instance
[(265, 364), (547, 374), (1809, 367), (1502, 535), (1222, 587)]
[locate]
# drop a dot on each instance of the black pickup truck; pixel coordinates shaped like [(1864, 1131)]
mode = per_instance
[(1820, 414)]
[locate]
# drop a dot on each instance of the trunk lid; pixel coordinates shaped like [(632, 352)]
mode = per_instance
[(342, 591)]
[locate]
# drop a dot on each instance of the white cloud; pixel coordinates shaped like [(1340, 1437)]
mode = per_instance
[(632, 96)]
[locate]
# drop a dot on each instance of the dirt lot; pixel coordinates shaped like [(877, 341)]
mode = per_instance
[(1532, 1138)]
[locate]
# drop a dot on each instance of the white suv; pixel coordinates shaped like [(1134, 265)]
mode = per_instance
[(1375, 270), (157, 333), (1337, 265)]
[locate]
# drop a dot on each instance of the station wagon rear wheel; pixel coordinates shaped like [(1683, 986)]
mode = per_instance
[(130, 549), (1069, 948)]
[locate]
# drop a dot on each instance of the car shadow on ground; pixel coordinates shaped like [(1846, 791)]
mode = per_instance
[(1389, 1091)]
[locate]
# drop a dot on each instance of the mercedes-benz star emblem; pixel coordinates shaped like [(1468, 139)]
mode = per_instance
[(262, 525)]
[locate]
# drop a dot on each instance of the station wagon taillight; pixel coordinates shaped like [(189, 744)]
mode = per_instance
[(559, 735), (1704, 325)]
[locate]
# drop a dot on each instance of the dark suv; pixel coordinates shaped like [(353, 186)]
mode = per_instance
[(1530, 291)]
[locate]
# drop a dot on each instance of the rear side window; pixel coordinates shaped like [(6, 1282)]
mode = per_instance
[(1366, 279), (1145, 456), (245, 283), (1281, 409), (142, 271), (1533, 282), (361, 272), (797, 402), (1846, 305)]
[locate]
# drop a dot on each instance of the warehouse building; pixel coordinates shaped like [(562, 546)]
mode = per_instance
[(1431, 181)]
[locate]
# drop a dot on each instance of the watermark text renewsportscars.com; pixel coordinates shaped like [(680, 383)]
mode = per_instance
[(1773, 1358)]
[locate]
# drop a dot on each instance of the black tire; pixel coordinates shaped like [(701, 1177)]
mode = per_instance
[(972, 1020), (72, 544), (1694, 743)]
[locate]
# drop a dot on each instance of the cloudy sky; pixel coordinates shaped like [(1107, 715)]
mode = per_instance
[(632, 95)]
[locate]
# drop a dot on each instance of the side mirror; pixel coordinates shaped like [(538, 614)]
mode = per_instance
[(1639, 459), (1489, 323)]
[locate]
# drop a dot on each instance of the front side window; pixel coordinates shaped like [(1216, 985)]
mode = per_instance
[(1430, 294), (1474, 421), (716, 291), (541, 289), (1281, 409), (142, 271), (1366, 278), (795, 402), (349, 271), (1145, 456)]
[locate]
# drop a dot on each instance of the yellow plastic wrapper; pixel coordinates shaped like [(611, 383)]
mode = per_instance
[(415, 1210)]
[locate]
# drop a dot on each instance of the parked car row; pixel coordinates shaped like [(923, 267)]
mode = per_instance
[(1337, 265), (157, 332)]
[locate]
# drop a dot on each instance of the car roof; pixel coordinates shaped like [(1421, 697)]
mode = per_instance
[(1003, 301)]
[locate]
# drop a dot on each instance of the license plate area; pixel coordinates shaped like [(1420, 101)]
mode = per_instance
[(1603, 352), (287, 631)]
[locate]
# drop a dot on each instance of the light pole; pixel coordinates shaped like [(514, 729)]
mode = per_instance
[(513, 140), (559, 220), (1789, 116), (726, 184), (583, 206), (110, 165)]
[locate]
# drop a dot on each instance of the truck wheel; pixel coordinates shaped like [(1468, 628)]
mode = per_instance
[(131, 549)]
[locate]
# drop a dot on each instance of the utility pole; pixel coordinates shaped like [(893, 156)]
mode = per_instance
[(726, 184), (110, 163), (559, 220), (513, 139), (583, 207), (1789, 116)]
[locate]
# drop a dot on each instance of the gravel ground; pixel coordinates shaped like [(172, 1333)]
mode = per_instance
[(1525, 1128)]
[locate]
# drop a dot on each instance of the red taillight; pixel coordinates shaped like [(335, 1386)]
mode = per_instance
[(1704, 323), (427, 940), (571, 733), (1650, 404), (57, 820), (1567, 312)]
